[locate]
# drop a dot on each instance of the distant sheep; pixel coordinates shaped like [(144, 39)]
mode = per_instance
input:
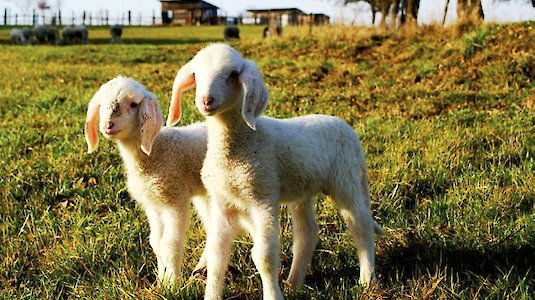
[(21, 36), (162, 165), (116, 31), (45, 34), (255, 163), (270, 31), (231, 33), (75, 34)]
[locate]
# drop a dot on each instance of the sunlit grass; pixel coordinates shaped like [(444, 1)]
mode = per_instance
[(449, 138)]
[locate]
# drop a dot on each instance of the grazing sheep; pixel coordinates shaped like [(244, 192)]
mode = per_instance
[(270, 31), (45, 34), (162, 165), (231, 33), (116, 31), (255, 163), (21, 36), (75, 34)]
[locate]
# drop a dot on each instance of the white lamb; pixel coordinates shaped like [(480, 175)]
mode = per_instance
[(162, 165), (257, 164)]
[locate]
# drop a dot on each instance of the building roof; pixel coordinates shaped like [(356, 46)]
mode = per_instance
[(297, 10), (204, 4)]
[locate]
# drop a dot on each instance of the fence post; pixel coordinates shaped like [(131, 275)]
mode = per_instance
[(83, 18), (16, 19), (34, 18), (59, 17), (107, 18), (5, 16), (129, 18)]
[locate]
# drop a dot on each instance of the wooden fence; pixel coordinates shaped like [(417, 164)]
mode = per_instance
[(86, 18)]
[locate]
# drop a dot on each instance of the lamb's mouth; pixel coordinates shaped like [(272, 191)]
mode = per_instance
[(111, 132)]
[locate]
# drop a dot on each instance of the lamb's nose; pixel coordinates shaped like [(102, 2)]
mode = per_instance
[(110, 125), (207, 100)]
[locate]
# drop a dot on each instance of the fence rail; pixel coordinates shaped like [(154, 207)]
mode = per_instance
[(87, 18)]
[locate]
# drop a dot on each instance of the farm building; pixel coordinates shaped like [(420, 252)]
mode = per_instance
[(284, 17), (320, 19), (189, 12)]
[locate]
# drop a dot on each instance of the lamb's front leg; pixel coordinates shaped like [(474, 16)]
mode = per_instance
[(219, 238), (156, 229), (175, 224), (265, 253)]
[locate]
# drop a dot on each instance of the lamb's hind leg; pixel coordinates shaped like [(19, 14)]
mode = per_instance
[(359, 220), (305, 237), (202, 208)]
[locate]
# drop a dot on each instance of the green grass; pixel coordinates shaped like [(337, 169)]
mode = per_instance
[(447, 122)]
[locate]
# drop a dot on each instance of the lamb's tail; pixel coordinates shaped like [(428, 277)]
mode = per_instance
[(378, 229)]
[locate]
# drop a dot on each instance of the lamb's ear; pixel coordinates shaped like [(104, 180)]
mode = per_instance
[(255, 93), (150, 120), (91, 123), (184, 80)]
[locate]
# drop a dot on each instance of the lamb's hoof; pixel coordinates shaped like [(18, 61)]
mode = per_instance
[(291, 284), (201, 272)]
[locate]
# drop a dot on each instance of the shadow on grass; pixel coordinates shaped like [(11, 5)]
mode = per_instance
[(421, 257)]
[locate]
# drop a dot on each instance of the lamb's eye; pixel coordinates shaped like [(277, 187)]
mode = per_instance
[(133, 105)]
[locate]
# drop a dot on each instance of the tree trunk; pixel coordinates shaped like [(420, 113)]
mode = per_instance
[(394, 14), (470, 10), (479, 9), (446, 12), (415, 8), (374, 11), (384, 12), (412, 11)]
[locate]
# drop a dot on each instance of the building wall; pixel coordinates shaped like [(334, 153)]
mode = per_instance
[(289, 17), (189, 14), (286, 17)]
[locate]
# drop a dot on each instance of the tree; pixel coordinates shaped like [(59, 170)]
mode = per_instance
[(24, 5), (470, 10), (405, 10), (532, 1)]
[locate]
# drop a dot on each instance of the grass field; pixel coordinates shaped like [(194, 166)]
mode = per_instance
[(447, 121)]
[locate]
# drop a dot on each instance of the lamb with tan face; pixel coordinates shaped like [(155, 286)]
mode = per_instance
[(162, 165)]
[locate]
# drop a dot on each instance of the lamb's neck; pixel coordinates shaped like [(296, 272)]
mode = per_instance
[(228, 131), (133, 158)]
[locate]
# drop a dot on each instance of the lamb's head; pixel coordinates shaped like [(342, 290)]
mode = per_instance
[(123, 110), (224, 80)]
